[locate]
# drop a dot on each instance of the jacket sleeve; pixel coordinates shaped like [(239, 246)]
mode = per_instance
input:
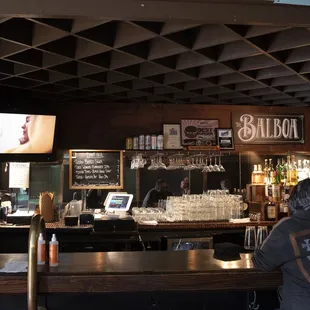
[(276, 249), (149, 199)]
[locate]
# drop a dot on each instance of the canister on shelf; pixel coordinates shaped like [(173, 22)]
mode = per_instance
[(148, 143), (135, 143), (154, 142), (160, 142), (129, 143), (141, 142)]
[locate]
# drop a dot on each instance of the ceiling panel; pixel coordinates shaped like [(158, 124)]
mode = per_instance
[(172, 62)]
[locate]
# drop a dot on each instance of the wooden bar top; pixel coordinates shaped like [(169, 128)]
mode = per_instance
[(202, 225), (140, 271), (159, 227)]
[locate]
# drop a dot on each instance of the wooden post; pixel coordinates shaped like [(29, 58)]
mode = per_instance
[(138, 187)]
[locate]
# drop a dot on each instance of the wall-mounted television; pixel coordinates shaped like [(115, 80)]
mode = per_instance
[(27, 136)]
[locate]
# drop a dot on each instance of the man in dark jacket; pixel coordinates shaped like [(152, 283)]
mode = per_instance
[(288, 247), (160, 191)]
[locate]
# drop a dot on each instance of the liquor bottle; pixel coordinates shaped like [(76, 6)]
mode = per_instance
[(266, 172), (260, 177), (288, 171), (283, 209), (278, 172), (283, 173), (306, 168), (270, 211), (293, 172), (246, 205), (271, 172), (268, 192), (301, 172), (254, 175)]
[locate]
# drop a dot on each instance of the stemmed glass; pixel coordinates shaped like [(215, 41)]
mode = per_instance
[(222, 169), (160, 164), (172, 164), (190, 165), (137, 162), (153, 165), (206, 167), (216, 168), (179, 161), (211, 168)]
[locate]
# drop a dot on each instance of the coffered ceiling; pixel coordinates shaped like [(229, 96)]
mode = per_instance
[(169, 62)]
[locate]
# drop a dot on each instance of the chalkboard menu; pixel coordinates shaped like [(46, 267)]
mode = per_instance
[(96, 169)]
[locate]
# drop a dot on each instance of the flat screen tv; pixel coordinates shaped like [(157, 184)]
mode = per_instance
[(27, 137)]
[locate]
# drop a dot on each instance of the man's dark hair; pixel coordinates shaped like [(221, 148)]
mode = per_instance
[(300, 196), (158, 183)]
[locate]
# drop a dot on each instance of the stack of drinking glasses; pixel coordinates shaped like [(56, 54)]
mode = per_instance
[(149, 214), (214, 206), (253, 240)]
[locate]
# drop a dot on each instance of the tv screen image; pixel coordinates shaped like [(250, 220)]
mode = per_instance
[(26, 134)]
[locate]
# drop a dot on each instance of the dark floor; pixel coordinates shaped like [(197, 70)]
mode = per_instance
[(145, 301)]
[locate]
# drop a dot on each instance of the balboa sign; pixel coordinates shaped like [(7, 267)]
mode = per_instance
[(268, 129)]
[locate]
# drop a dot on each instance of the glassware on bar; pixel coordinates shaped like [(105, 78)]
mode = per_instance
[(250, 238), (222, 169), (216, 205), (262, 234)]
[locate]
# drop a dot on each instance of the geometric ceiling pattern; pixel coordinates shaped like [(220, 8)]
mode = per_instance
[(167, 62)]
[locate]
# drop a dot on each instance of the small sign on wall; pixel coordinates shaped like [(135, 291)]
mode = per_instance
[(19, 175), (268, 129)]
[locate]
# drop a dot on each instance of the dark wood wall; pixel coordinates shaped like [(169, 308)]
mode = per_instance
[(106, 126)]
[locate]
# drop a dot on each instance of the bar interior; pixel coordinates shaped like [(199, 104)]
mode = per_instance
[(168, 152)]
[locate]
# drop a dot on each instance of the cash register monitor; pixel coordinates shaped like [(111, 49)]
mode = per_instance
[(108, 196), (119, 202)]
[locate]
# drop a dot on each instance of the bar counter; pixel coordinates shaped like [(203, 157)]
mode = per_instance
[(201, 225), (14, 239), (141, 271), (160, 226)]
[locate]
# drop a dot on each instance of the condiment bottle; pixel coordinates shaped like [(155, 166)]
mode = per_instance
[(41, 250), (53, 252)]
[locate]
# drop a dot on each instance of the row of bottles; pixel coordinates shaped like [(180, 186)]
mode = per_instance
[(145, 142), (276, 210), (53, 251), (287, 173)]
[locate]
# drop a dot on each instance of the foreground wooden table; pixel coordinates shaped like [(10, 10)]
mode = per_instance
[(141, 271)]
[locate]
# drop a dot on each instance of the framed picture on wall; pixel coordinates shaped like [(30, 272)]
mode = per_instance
[(172, 136), (199, 132), (225, 138)]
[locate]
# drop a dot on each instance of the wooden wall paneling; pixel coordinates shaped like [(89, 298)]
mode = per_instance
[(106, 126)]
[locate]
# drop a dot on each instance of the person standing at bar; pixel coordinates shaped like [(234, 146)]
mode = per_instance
[(159, 192), (288, 247), (225, 185), (185, 186)]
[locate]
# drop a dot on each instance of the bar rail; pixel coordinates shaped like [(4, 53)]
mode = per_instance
[(37, 226)]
